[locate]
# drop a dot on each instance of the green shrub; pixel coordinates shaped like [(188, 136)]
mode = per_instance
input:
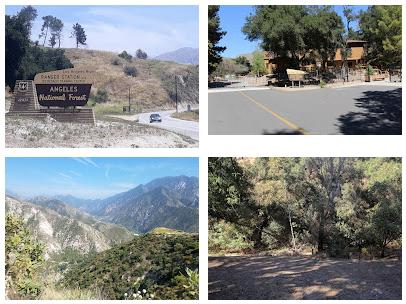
[(24, 255), (369, 71), (38, 60), (190, 282), (130, 71), (116, 61), (29, 288), (151, 262), (322, 83), (101, 96), (224, 237), (125, 56), (91, 102)]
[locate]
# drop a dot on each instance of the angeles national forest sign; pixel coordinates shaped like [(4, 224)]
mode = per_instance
[(64, 88)]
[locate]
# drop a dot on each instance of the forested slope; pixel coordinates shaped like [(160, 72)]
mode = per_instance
[(155, 262), (338, 206)]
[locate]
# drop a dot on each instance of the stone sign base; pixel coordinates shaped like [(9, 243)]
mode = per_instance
[(25, 97), (81, 115), (25, 104)]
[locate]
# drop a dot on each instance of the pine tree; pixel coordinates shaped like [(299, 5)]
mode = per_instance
[(215, 35), (52, 41), (45, 27), (79, 34)]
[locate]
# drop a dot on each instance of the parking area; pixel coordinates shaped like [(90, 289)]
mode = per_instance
[(361, 110), (303, 278)]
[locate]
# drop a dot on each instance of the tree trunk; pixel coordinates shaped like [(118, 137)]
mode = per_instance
[(383, 251), (256, 236), (320, 244), (45, 38), (291, 230)]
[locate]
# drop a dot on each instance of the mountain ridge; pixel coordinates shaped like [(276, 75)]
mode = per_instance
[(59, 230), (141, 208), (170, 201), (184, 55)]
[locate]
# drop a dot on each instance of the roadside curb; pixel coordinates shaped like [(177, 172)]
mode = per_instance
[(308, 88)]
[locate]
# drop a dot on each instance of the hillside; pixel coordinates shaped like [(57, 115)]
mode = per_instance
[(152, 88), (61, 227), (164, 230), (172, 202), (186, 55), (156, 263)]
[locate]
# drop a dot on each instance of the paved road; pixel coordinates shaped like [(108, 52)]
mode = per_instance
[(351, 110), (303, 278), (184, 127)]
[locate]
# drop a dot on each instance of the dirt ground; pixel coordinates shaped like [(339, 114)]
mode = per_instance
[(306, 278), (32, 133)]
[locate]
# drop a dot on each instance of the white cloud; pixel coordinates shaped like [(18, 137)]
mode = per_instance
[(117, 30), (106, 173), (75, 173), (86, 161), (65, 175), (79, 160), (91, 162)]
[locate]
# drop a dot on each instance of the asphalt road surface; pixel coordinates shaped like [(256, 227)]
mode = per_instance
[(303, 278), (184, 127), (372, 109)]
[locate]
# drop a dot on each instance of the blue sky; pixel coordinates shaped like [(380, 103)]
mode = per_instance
[(232, 19), (90, 177), (155, 29)]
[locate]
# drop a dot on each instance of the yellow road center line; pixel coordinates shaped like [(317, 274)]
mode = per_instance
[(282, 119)]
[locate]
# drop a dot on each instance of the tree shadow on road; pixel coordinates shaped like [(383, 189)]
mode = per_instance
[(281, 132), (380, 114), (293, 278)]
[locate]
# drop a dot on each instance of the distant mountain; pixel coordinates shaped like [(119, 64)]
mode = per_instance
[(14, 194), (60, 226), (249, 56), (170, 202), (74, 201), (186, 55)]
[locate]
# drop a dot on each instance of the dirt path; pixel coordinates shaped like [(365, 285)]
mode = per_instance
[(294, 278)]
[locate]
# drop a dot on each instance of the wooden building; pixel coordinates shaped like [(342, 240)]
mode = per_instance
[(357, 56)]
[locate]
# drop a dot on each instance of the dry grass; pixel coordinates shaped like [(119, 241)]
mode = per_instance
[(102, 109), (192, 115), (147, 89), (53, 293)]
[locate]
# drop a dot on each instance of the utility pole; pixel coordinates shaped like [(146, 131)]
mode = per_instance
[(176, 93), (129, 104)]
